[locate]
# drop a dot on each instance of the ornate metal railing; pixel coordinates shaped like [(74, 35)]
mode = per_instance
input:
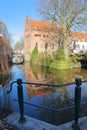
[(77, 98)]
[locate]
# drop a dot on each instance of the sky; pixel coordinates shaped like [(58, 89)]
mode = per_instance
[(14, 12)]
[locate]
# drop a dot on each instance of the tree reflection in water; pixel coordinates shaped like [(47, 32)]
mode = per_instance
[(50, 75), (57, 97), (57, 100), (4, 83), (63, 97), (4, 79)]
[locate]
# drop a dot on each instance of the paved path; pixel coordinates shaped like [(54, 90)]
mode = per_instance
[(6, 126), (34, 124)]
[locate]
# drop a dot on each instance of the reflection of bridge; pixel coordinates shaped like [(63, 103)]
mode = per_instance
[(17, 59), (15, 55)]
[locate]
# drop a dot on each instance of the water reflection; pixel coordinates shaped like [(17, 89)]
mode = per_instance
[(52, 97), (62, 97), (4, 82), (4, 79), (47, 75), (7, 100), (56, 97)]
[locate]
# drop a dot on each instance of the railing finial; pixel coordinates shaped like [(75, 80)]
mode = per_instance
[(78, 81), (19, 81)]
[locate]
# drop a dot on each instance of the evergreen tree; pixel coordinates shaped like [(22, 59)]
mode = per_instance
[(34, 54), (60, 54)]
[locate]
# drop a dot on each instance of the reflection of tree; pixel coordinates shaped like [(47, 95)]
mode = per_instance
[(54, 76), (62, 96), (4, 83), (4, 99), (56, 101), (36, 90), (42, 74), (64, 76), (4, 79), (34, 71)]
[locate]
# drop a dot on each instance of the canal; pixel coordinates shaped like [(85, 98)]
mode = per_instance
[(51, 97)]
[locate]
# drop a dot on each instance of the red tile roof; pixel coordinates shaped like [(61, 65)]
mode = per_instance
[(40, 25), (44, 26), (79, 35)]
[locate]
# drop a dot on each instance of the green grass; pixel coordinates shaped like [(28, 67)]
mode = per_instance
[(62, 65)]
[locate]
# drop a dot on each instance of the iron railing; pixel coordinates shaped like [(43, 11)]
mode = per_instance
[(77, 98)]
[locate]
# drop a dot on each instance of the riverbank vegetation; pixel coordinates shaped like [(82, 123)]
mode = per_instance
[(59, 61)]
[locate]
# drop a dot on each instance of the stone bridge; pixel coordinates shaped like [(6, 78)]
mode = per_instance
[(17, 58)]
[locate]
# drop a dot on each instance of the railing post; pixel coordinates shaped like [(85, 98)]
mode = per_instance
[(77, 103), (20, 99)]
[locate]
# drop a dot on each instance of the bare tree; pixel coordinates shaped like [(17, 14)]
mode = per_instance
[(19, 45), (4, 32), (5, 48), (3, 55), (66, 14)]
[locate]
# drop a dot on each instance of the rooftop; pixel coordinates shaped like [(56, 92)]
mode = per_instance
[(48, 26)]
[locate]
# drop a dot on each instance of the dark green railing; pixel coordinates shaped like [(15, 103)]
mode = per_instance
[(77, 98)]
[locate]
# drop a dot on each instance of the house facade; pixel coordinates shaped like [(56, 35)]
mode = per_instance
[(44, 35), (40, 34)]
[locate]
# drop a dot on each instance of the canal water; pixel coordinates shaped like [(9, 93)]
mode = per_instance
[(52, 97)]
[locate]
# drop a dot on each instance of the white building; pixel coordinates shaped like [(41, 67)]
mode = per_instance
[(79, 47)]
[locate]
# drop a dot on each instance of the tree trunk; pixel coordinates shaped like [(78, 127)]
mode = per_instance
[(66, 42)]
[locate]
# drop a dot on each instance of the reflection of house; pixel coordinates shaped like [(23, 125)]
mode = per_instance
[(44, 35), (34, 90)]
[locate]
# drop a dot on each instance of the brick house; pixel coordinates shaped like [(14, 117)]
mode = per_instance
[(44, 35), (40, 34)]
